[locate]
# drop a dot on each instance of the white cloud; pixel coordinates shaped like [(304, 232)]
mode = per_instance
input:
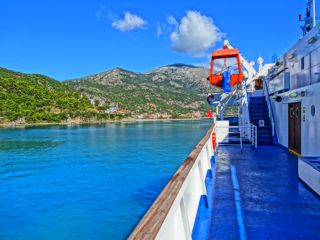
[(172, 21), (166, 28), (129, 22), (104, 13), (159, 30), (195, 34)]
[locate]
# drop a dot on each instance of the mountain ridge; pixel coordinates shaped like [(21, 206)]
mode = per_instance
[(175, 90), (171, 91)]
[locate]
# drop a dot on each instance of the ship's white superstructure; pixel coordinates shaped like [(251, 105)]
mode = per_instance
[(296, 79)]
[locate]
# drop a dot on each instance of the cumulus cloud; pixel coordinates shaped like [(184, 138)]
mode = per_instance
[(159, 30), (172, 21), (129, 22), (104, 13), (195, 34)]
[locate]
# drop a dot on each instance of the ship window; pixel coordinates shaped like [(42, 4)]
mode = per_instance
[(302, 63), (313, 110), (297, 112), (291, 113)]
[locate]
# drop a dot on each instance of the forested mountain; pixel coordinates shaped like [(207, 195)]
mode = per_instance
[(36, 98), (173, 91)]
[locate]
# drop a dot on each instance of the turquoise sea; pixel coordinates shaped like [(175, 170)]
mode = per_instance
[(87, 181)]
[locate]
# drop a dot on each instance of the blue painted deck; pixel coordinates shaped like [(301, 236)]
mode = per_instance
[(272, 202)]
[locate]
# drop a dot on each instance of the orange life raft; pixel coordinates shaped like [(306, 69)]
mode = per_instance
[(216, 78)]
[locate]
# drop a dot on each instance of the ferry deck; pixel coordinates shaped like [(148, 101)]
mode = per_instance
[(257, 195), (259, 179)]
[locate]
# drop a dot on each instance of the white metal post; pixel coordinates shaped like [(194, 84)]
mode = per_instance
[(241, 137), (314, 13)]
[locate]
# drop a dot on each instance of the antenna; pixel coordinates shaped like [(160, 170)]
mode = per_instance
[(309, 22), (274, 58)]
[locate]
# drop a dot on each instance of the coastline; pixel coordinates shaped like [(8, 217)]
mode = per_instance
[(84, 122)]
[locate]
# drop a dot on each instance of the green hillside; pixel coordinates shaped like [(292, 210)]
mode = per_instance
[(167, 92), (35, 98), (142, 98)]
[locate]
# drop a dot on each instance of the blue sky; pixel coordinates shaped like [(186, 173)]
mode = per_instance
[(67, 39)]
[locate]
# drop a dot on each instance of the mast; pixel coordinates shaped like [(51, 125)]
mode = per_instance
[(310, 19)]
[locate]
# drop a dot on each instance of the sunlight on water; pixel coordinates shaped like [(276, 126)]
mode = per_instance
[(90, 181)]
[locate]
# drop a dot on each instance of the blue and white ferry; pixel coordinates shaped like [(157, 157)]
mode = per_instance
[(259, 178)]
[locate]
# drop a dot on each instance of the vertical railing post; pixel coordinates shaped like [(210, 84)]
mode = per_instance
[(241, 137), (202, 177), (256, 137), (269, 105), (185, 220), (253, 134)]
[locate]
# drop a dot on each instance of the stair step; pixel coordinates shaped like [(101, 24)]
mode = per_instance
[(265, 110), (259, 117), (266, 120), (238, 142), (256, 120), (264, 132), (264, 143), (257, 104), (257, 98), (260, 112), (258, 109), (265, 136), (256, 123), (257, 101)]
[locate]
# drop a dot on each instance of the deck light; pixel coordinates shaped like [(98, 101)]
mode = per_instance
[(293, 95), (278, 98), (312, 40), (291, 56)]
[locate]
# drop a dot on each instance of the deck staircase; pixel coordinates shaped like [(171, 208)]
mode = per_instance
[(234, 135), (258, 110)]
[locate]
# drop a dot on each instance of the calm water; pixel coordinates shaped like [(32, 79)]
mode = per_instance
[(87, 182)]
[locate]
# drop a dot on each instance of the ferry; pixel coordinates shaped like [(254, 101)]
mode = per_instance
[(257, 177)]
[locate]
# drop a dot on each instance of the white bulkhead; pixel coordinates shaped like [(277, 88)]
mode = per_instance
[(296, 78)]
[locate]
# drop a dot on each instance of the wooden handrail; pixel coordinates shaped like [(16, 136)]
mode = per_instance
[(152, 221)]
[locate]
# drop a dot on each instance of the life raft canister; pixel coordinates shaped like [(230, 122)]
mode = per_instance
[(226, 81), (210, 99), (214, 141)]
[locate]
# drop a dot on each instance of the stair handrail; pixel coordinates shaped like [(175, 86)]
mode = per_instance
[(270, 108), (244, 118), (253, 134)]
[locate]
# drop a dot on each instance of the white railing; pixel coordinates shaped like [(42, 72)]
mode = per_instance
[(269, 105), (246, 132), (250, 132), (173, 214), (244, 117)]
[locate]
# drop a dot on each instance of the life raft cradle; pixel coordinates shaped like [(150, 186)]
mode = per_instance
[(217, 79)]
